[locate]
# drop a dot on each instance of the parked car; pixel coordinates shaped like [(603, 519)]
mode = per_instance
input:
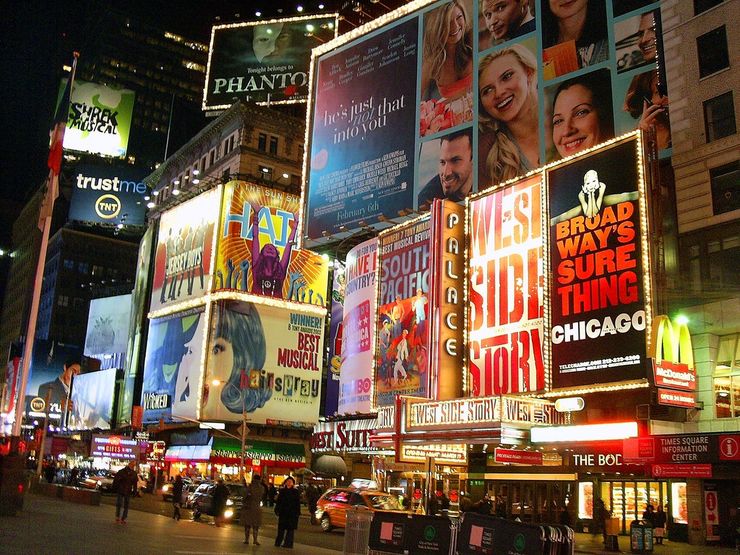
[(331, 509), (201, 500), (102, 481)]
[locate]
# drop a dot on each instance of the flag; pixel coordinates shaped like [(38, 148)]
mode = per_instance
[(56, 149)]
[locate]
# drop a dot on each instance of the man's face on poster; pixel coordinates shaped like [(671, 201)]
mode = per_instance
[(456, 166), (70, 370)]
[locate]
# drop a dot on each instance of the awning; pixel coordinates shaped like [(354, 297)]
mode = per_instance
[(228, 451), (330, 465), (188, 453)]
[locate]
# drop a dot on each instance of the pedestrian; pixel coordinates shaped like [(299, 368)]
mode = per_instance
[(220, 495), (659, 520), (271, 494), (177, 497), (312, 499), (648, 514), (124, 484), (287, 509), (251, 515), (432, 504), (50, 471), (564, 517), (73, 475)]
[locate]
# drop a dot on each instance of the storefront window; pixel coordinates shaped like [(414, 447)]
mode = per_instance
[(585, 500), (654, 495), (642, 498), (606, 497), (679, 510)]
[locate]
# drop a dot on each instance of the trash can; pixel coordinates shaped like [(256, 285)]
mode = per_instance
[(611, 527), (641, 537), (357, 531)]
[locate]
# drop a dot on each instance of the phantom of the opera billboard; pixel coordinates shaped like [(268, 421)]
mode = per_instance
[(99, 120), (264, 361), (392, 126), (184, 251), (256, 251), (108, 195), (265, 62)]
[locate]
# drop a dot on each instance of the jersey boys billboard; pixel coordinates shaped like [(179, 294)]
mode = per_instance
[(263, 62), (455, 97)]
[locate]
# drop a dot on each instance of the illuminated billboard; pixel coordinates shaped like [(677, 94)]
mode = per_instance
[(107, 325), (265, 361), (256, 251), (394, 123), (336, 330), (99, 120), (108, 195), (183, 259), (52, 367), (92, 400), (265, 62)]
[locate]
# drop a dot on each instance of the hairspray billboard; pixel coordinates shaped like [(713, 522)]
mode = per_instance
[(172, 367), (265, 62), (441, 99), (599, 312), (265, 362), (358, 322), (183, 259), (401, 354), (506, 286), (256, 248)]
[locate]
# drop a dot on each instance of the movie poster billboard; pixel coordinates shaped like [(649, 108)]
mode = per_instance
[(598, 308), (265, 361), (358, 318), (362, 143), (506, 285), (265, 62), (336, 327), (99, 120), (471, 129), (107, 325), (92, 400), (108, 195), (401, 354), (182, 264), (172, 366), (256, 247), (53, 366)]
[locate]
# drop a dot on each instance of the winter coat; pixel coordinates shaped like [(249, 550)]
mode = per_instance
[(288, 508), (659, 519), (125, 480), (220, 495), (251, 514), (177, 490)]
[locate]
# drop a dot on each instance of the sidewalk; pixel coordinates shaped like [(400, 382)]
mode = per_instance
[(586, 543)]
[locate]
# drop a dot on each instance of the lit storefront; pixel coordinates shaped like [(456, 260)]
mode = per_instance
[(342, 449), (272, 460)]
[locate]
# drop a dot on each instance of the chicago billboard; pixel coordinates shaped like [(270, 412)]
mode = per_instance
[(92, 400), (256, 252), (108, 195), (107, 325), (265, 361), (517, 96), (183, 259), (99, 120), (265, 62)]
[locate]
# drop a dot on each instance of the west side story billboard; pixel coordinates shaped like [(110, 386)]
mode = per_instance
[(265, 62), (392, 126)]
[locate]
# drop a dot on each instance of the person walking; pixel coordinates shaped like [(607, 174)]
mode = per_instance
[(124, 484), (312, 499), (251, 515), (220, 495), (659, 520), (177, 497), (271, 494), (287, 509)]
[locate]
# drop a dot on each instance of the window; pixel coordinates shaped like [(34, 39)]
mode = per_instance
[(83, 267), (712, 50), (265, 172), (203, 164), (719, 117), (711, 262), (262, 142), (213, 157), (703, 5), (727, 377), (97, 270), (273, 145), (63, 300), (69, 264), (725, 182)]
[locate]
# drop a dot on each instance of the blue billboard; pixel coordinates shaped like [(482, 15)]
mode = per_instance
[(108, 195)]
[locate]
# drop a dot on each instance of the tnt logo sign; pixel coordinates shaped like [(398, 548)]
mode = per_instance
[(108, 206)]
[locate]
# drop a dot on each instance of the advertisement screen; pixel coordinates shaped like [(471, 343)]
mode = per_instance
[(459, 96), (108, 195), (107, 325), (598, 307), (265, 361), (336, 327), (172, 366), (92, 400), (52, 368), (99, 120), (401, 357), (182, 264), (358, 322), (269, 265), (263, 61), (506, 285)]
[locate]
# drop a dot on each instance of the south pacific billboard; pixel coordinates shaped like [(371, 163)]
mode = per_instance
[(403, 281), (107, 325), (264, 62), (108, 195), (99, 120), (599, 312), (393, 127), (358, 322), (92, 400), (256, 247), (172, 366), (265, 361), (183, 259)]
